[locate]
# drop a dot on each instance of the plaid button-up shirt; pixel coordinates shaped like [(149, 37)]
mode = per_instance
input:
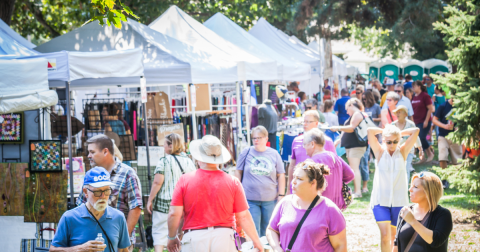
[(126, 191)]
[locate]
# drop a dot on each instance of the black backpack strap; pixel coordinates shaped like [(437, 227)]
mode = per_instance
[(105, 233), (181, 169), (390, 113), (297, 230), (244, 162)]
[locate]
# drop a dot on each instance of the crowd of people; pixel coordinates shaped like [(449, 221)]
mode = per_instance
[(196, 206)]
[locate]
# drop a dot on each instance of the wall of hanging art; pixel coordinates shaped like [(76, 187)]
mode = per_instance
[(45, 196), (45, 155), (12, 185), (11, 128), (78, 173)]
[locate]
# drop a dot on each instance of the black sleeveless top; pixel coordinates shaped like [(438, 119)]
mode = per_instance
[(350, 140)]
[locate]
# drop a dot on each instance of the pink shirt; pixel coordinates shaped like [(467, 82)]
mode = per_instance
[(340, 172), (299, 153), (324, 220)]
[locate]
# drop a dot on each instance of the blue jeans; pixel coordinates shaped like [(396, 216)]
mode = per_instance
[(409, 167), (261, 212), (364, 165), (423, 134)]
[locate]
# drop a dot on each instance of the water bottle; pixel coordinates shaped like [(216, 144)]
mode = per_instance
[(100, 238)]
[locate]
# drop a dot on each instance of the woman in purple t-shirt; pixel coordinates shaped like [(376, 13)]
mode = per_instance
[(323, 229), (340, 171)]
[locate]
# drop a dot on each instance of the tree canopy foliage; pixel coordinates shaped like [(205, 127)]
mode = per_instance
[(461, 30), (387, 27)]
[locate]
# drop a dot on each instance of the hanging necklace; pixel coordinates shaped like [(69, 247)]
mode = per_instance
[(5, 196)]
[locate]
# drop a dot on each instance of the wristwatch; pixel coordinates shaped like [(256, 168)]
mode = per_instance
[(283, 195), (172, 238)]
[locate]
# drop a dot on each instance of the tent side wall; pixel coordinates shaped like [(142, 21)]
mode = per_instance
[(415, 71), (390, 71)]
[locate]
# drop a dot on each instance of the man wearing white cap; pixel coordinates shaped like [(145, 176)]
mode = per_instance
[(79, 227), (210, 201)]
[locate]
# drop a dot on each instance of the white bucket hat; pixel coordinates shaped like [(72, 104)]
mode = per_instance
[(209, 150)]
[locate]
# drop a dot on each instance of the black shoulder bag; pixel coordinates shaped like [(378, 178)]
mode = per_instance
[(297, 230), (181, 169), (244, 162), (105, 233)]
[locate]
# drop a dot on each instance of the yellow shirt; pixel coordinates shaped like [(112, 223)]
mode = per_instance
[(384, 98)]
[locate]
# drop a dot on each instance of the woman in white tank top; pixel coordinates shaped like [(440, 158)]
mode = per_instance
[(390, 185)]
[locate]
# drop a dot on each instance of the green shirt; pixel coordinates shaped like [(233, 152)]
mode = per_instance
[(321, 116), (168, 167)]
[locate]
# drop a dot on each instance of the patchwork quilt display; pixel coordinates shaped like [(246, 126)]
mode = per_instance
[(11, 128), (45, 155)]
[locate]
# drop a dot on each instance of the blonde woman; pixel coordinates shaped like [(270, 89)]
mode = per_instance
[(355, 149), (262, 173), (430, 222), (390, 183), (168, 172)]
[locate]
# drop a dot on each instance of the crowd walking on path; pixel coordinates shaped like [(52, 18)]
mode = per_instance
[(196, 206)]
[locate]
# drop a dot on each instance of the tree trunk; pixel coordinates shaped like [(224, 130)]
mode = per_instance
[(6, 10), (39, 17)]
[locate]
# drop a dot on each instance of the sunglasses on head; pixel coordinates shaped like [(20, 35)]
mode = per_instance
[(391, 142), (422, 174)]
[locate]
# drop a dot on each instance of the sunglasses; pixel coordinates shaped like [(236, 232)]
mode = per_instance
[(99, 193), (422, 174), (398, 91), (391, 142), (308, 107)]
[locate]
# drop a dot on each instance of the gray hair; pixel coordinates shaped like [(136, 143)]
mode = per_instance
[(314, 135), (312, 102), (393, 95), (399, 86), (260, 129)]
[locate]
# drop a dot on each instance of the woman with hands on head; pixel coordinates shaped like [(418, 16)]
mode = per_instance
[(390, 183), (324, 228), (425, 225), (355, 149)]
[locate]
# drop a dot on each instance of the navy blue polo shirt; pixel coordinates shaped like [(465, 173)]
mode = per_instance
[(342, 112), (77, 227), (441, 114)]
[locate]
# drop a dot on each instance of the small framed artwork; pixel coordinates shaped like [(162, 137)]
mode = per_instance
[(11, 128), (45, 156)]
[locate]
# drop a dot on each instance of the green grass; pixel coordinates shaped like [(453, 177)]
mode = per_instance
[(452, 199)]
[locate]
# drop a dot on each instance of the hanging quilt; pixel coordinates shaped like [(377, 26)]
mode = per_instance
[(11, 128), (45, 196), (45, 155), (12, 185)]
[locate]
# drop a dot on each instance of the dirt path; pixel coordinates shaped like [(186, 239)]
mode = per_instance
[(363, 233)]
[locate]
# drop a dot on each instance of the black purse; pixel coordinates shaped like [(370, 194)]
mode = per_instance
[(297, 230)]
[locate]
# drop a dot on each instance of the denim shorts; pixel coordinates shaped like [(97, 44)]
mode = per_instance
[(386, 214)]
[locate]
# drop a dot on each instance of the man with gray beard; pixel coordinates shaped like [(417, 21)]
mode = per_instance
[(79, 227)]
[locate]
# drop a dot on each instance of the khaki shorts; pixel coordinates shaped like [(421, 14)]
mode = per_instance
[(356, 152), (446, 147), (206, 240)]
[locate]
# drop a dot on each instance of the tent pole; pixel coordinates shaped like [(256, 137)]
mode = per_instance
[(247, 110), (69, 134), (239, 120), (194, 119), (144, 106)]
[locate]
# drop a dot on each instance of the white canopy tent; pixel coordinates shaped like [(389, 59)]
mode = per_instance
[(11, 43), (24, 85), (179, 25), (166, 60), (288, 70)]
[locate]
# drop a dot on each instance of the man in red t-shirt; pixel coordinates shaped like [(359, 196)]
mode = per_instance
[(210, 201)]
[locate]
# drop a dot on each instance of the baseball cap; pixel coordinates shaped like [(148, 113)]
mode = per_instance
[(390, 81), (97, 177)]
